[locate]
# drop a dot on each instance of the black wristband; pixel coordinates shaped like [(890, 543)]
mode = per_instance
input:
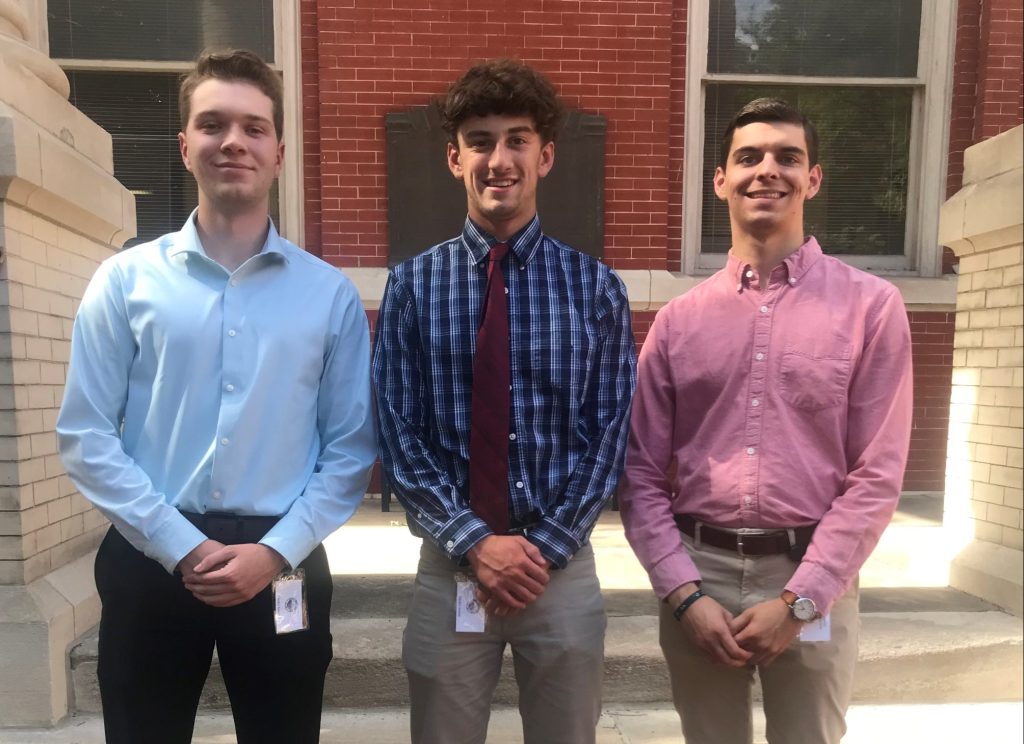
[(685, 604)]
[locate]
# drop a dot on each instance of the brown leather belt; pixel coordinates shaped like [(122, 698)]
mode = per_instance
[(764, 542)]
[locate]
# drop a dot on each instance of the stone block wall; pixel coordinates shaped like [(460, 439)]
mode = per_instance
[(44, 522)]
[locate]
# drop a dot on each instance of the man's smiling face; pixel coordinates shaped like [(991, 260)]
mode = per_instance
[(766, 179), (500, 159)]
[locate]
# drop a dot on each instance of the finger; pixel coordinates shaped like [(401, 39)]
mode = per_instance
[(741, 621), (508, 599), (733, 649), (525, 583), (535, 572), (214, 559), (534, 553)]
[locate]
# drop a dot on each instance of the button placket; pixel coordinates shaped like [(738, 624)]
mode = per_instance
[(755, 397)]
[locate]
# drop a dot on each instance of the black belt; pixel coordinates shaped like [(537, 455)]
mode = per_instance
[(793, 541), (231, 529)]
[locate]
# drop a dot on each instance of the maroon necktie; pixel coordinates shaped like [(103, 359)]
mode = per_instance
[(489, 424)]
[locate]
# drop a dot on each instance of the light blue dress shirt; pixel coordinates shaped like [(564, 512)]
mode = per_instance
[(192, 388)]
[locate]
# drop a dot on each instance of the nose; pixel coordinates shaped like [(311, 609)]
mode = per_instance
[(499, 157), (768, 167), (234, 139)]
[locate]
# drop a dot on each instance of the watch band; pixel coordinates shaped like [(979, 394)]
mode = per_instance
[(685, 604)]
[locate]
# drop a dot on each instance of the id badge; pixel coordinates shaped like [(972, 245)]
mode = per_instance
[(290, 614), (469, 613), (817, 631)]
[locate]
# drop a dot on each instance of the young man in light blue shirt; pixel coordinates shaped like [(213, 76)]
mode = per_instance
[(218, 412)]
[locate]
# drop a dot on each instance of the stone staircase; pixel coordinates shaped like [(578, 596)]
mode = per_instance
[(921, 642)]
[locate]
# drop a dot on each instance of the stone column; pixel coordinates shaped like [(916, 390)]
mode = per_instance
[(982, 223), (61, 213)]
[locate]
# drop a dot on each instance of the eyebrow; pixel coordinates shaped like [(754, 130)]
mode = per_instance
[(219, 113), (488, 133), (790, 150)]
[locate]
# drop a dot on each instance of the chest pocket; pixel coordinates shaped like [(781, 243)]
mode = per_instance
[(814, 381)]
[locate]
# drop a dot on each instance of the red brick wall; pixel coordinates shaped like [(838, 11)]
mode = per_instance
[(369, 58), (999, 102), (932, 338), (965, 90)]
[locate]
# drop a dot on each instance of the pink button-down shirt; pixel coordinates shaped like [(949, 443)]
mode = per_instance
[(769, 409)]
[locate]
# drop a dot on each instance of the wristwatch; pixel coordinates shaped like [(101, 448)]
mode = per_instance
[(802, 608)]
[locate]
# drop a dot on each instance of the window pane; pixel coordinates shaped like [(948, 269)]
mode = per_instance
[(140, 110), (868, 38), (162, 30), (864, 151)]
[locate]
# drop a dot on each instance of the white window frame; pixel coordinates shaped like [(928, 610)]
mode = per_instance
[(287, 62), (932, 96)]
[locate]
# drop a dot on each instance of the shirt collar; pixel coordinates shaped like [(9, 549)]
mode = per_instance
[(523, 245), (187, 240), (795, 265)]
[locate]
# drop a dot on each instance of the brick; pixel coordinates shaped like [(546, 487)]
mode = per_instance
[(990, 453), (970, 301), (993, 416), (1005, 257), (997, 337), (963, 318), (991, 279), (49, 536), (44, 444), (1010, 357), (984, 319), (51, 373), (983, 357), (1014, 496), (38, 348), (1011, 316), (974, 263), (963, 375), (1013, 538), (58, 510), (998, 377), (12, 547), (1013, 275), (71, 527), (988, 532), (1004, 297), (1003, 515), (968, 339), (1005, 476), (15, 498)]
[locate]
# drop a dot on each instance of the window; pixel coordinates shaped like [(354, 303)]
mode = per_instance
[(123, 59), (873, 76)]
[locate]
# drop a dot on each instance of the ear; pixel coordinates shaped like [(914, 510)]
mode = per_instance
[(454, 163), (279, 161), (719, 181), (183, 148), (547, 159), (814, 181)]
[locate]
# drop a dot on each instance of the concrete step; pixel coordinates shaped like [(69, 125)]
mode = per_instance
[(905, 657), (994, 723)]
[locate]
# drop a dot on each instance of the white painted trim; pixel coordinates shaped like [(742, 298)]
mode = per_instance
[(288, 53), (872, 82), (650, 290), (929, 140)]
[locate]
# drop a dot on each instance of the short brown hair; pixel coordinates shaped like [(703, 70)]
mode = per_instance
[(503, 87), (769, 110), (232, 65)]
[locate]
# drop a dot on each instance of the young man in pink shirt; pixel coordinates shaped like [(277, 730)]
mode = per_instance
[(769, 436)]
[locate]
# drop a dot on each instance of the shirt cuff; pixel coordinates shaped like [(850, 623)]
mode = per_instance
[(292, 538), (556, 543), (671, 572), (173, 540), (462, 532), (814, 582)]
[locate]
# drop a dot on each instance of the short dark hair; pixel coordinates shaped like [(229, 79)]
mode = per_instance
[(502, 86), (232, 65), (769, 110)]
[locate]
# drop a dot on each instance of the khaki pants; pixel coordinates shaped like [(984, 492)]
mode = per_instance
[(557, 648), (807, 688)]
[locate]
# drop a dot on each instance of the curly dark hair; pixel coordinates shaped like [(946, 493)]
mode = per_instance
[(232, 65), (502, 86), (769, 110)]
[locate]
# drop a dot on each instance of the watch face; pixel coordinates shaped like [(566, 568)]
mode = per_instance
[(804, 609)]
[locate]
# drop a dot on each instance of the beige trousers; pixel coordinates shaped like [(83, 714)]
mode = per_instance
[(807, 688), (557, 650)]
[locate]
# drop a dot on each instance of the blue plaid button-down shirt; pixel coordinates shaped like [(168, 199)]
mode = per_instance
[(573, 365)]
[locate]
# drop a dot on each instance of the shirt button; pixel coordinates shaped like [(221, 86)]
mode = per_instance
[(216, 494), (449, 545), (225, 441), (506, 290), (759, 356), (519, 484), (512, 437), (229, 387), (749, 274), (232, 332), (747, 500), (234, 282), (755, 402), (764, 308), (792, 280), (750, 450)]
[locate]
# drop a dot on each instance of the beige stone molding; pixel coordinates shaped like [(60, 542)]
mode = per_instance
[(650, 290), (16, 48)]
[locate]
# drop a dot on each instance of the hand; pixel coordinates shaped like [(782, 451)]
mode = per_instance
[(706, 622), (234, 574), (187, 565), (511, 571), (766, 630)]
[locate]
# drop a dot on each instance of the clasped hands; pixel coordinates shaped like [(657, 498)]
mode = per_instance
[(227, 575), (510, 572), (753, 638)]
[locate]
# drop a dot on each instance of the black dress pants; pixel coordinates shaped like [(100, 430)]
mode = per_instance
[(156, 643)]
